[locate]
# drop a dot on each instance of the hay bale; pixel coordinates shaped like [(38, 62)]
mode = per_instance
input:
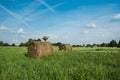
[(67, 47), (39, 49), (61, 47)]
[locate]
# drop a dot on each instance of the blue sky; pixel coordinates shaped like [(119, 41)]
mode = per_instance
[(67, 21)]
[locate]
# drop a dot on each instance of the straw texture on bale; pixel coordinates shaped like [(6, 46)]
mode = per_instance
[(39, 49), (67, 47)]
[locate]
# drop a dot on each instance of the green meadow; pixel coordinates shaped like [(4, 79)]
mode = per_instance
[(78, 64)]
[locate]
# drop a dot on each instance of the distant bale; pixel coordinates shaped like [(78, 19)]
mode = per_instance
[(39, 49), (67, 47), (61, 47)]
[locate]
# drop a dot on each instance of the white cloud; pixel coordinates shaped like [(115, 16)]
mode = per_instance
[(91, 25), (116, 17), (37, 36), (3, 28), (51, 36), (15, 41), (20, 31), (85, 32)]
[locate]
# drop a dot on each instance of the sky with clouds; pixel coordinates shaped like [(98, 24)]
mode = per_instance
[(67, 21)]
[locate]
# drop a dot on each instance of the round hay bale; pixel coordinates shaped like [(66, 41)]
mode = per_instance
[(38, 49), (61, 47), (67, 47)]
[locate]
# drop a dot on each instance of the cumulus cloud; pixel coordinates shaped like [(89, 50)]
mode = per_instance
[(51, 36), (91, 25), (20, 31), (116, 17), (3, 28), (15, 41), (85, 32)]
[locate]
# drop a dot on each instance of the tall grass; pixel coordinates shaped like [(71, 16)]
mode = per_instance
[(79, 64)]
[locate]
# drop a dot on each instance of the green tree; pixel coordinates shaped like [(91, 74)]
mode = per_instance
[(113, 43), (118, 45), (45, 38), (1, 43), (38, 39), (6, 44), (30, 40), (22, 44), (104, 44), (13, 44)]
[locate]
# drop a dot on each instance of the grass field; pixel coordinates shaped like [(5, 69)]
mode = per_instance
[(79, 64)]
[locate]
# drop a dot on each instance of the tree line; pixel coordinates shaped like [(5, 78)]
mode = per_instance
[(45, 38), (112, 43), (6, 44)]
